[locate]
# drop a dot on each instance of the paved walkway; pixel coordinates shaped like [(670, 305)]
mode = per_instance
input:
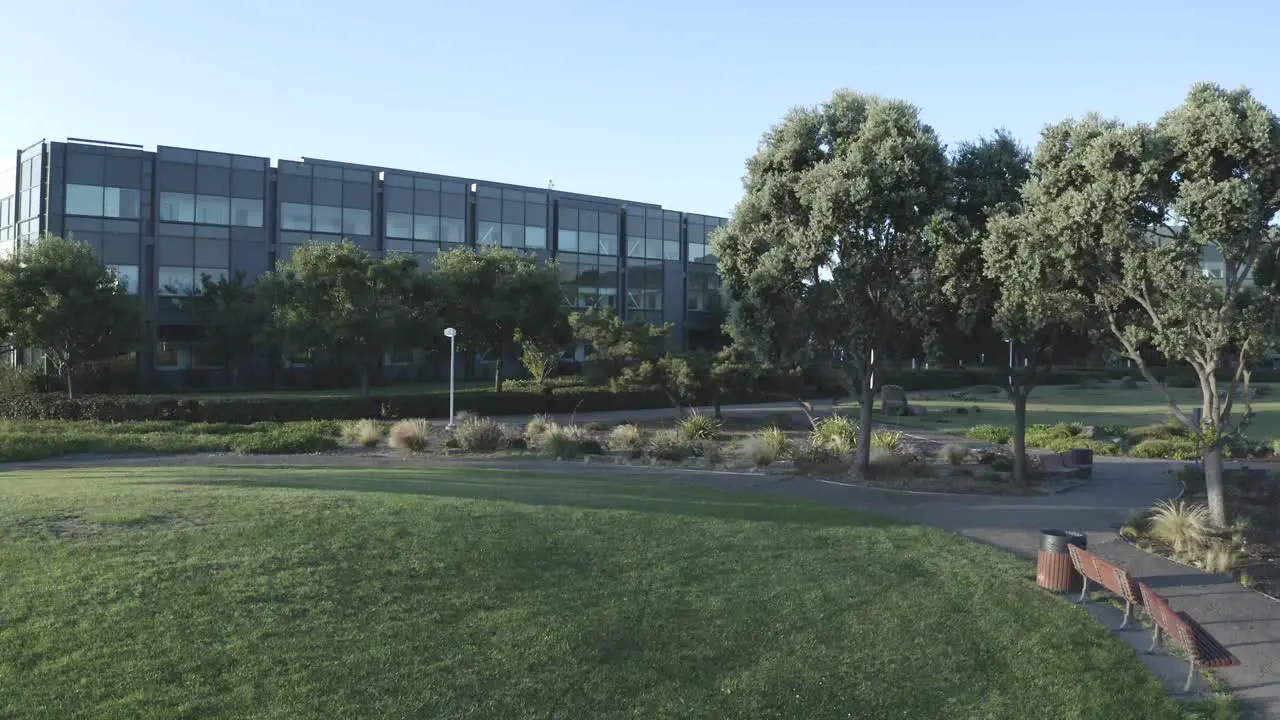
[(1246, 622)]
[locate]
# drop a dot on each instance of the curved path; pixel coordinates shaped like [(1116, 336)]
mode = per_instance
[(1246, 622)]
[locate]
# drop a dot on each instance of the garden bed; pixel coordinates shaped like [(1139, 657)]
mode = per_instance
[(1249, 550)]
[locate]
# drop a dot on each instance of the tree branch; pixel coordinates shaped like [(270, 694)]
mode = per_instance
[(1136, 356)]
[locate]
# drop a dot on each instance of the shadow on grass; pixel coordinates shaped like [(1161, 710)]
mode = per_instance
[(544, 489)]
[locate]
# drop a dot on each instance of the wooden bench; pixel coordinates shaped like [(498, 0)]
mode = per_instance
[(1116, 580), (1199, 645)]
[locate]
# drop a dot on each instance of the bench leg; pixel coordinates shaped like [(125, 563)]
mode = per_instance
[(1191, 673), (1155, 640), (1084, 589), (1128, 607)]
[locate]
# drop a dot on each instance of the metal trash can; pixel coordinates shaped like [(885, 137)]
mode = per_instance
[(1053, 564)]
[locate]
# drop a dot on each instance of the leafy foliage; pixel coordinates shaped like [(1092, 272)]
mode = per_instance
[(990, 434), (838, 434), (58, 297), (234, 316), (336, 299), (617, 344), (700, 427), (822, 257)]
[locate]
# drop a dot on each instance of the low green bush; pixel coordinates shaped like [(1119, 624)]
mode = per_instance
[(1166, 449), (671, 446), (993, 434), (287, 439)]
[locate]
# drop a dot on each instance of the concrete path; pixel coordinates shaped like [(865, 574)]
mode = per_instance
[(1244, 621)]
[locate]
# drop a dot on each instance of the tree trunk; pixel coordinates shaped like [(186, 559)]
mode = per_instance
[(235, 376), (365, 384), (1019, 436), (1213, 486), (862, 461), (71, 393), (497, 371)]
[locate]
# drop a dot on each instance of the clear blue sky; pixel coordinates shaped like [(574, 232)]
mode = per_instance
[(657, 101)]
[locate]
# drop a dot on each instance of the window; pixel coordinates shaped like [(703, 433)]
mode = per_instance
[(175, 281), (295, 216), (121, 202), (512, 235), (671, 250), (487, 233), (128, 277), (356, 221), (399, 225), (246, 212), (568, 240), (84, 200), (97, 201), (535, 237), (608, 244), (326, 219), (452, 230), (426, 227), (213, 210), (399, 246), (213, 275), (177, 207)]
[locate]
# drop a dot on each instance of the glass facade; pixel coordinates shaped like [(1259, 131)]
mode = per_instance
[(587, 254), (165, 219), (423, 215)]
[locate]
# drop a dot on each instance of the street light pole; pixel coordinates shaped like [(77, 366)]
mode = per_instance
[(452, 334)]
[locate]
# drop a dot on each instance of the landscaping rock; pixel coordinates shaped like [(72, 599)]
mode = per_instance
[(893, 400)]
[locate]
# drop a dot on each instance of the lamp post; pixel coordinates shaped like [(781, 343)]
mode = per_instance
[(452, 334)]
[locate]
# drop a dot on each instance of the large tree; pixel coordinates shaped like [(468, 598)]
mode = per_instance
[(1132, 212), (57, 296), (832, 226), (337, 300), (986, 178), (616, 344), (234, 317), (496, 295)]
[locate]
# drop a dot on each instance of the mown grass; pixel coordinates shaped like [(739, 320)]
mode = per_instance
[(35, 440), (281, 593), (1088, 406)]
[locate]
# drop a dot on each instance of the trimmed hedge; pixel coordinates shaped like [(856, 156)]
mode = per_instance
[(286, 408)]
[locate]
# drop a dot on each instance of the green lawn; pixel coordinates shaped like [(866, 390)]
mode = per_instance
[(1110, 405), (279, 593)]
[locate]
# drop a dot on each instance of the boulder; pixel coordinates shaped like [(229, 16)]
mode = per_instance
[(893, 400)]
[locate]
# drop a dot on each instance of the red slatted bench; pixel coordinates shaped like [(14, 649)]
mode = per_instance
[(1116, 580), (1199, 645)]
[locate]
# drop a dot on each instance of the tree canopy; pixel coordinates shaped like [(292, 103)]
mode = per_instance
[(496, 294), (831, 228), (57, 296)]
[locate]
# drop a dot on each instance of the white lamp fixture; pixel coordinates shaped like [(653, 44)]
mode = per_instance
[(452, 334)]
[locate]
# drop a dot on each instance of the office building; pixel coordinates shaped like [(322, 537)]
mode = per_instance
[(165, 218)]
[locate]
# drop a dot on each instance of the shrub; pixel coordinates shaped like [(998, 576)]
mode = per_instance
[(814, 458), (711, 451), (1158, 431), (776, 440), (1172, 449), (837, 433), (288, 439), (758, 451), (890, 440), (537, 425), (597, 426), (479, 434), (953, 454), (1181, 525), (627, 438), (1136, 526), (700, 427), (990, 434), (560, 442), (410, 435), (362, 432), (1219, 557), (884, 459), (672, 446)]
